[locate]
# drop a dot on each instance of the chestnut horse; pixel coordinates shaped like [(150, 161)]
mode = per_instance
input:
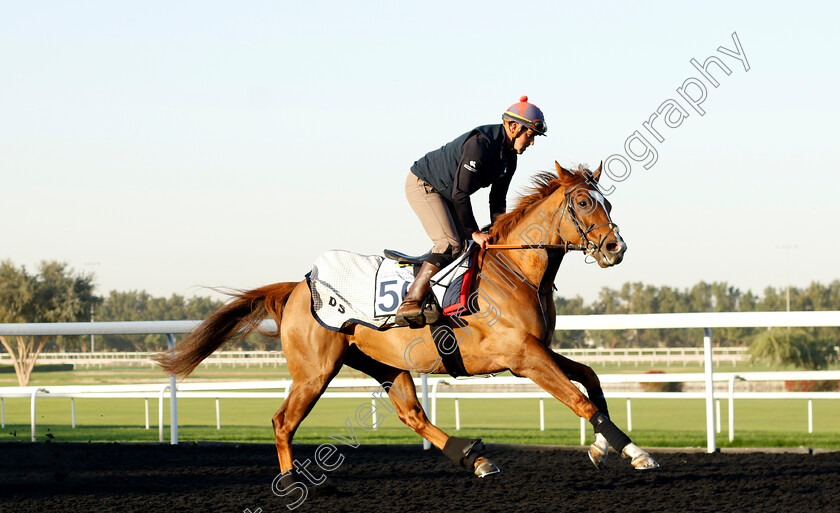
[(509, 326)]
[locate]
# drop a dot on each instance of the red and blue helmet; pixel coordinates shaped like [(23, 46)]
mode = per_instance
[(527, 115)]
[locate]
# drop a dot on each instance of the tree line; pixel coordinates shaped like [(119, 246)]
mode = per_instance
[(56, 293), (812, 348)]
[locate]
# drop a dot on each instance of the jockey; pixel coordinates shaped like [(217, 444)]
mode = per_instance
[(439, 186)]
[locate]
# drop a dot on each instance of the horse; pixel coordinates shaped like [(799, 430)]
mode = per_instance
[(508, 326)]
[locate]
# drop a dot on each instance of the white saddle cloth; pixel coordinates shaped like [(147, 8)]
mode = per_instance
[(349, 288)]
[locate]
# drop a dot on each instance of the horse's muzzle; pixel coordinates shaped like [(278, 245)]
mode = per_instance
[(611, 253)]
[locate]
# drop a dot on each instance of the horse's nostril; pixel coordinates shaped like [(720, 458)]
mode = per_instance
[(612, 247)]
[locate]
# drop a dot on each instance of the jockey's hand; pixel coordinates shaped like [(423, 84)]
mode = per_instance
[(482, 239)]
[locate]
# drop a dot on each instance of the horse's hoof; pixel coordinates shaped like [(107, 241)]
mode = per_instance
[(644, 462), (598, 451), (640, 459), (485, 467)]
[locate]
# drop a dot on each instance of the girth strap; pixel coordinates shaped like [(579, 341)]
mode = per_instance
[(453, 361)]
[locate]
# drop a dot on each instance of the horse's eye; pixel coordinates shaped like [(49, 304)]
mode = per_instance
[(582, 203)]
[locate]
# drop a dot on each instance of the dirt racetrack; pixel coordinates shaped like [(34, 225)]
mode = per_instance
[(50, 477)]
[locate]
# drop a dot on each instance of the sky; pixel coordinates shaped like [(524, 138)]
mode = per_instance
[(175, 146)]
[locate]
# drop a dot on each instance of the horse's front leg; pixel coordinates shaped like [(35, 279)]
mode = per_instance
[(535, 361), (584, 375)]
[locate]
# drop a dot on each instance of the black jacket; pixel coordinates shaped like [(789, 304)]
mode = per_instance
[(476, 159)]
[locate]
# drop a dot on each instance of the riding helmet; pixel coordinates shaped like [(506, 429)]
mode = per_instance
[(528, 115)]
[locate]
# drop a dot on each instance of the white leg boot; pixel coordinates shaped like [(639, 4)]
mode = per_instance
[(639, 458), (598, 451)]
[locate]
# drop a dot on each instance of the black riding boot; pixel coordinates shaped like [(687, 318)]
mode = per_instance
[(410, 312)]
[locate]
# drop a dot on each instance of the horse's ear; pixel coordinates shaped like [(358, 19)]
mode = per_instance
[(563, 173), (597, 173)]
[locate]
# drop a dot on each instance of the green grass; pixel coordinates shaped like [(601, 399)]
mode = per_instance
[(664, 422)]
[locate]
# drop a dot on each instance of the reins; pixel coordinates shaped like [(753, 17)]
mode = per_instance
[(565, 246)]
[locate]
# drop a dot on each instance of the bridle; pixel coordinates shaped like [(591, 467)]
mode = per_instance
[(588, 246)]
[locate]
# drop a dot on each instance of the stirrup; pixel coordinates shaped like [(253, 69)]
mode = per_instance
[(431, 313), (425, 317), (411, 320), (428, 314)]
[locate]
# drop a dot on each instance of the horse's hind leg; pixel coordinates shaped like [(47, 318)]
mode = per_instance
[(464, 452), (403, 394), (298, 403), (314, 356), (401, 391)]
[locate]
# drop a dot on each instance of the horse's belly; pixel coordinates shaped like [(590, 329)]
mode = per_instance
[(407, 349)]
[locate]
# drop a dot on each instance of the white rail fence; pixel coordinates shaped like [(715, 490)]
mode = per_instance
[(667, 356), (138, 359), (582, 322)]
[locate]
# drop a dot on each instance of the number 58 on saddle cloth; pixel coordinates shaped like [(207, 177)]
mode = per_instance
[(350, 288)]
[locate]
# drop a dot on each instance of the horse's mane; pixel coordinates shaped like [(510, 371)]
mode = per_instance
[(543, 185)]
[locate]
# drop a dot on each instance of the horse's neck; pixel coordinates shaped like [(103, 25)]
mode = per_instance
[(538, 226)]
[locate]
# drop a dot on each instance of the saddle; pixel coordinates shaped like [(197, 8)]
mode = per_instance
[(451, 285), (404, 258)]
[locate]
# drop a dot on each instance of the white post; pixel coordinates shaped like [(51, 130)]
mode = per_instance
[(160, 413), (542, 414), (810, 415), (147, 412), (373, 407), (218, 416), (434, 403), (32, 415), (425, 387), (710, 391), (457, 415), (73, 412), (732, 408), (629, 416), (173, 400), (582, 431)]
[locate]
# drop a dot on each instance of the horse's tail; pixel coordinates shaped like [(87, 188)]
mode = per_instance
[(239, 317)]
